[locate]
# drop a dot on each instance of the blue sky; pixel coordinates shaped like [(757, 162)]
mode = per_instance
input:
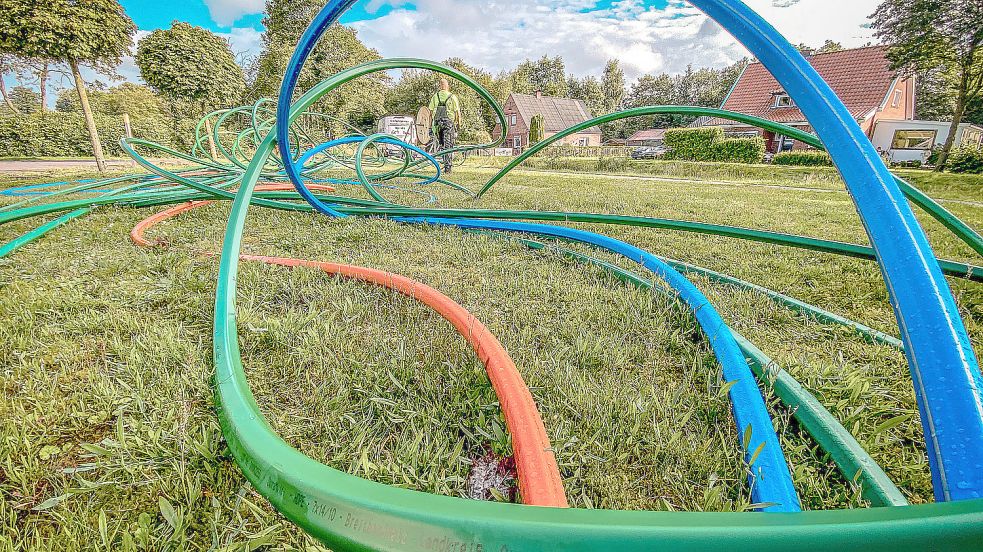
[(151, 14), (647, 36)]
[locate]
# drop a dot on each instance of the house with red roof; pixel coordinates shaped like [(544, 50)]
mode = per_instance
[(558, 114), (861, 77)]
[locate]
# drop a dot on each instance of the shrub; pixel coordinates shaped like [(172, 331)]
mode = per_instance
[(803, 159), (692, 144), (57, 134), (966, 160), (537, 129), (739, 150)]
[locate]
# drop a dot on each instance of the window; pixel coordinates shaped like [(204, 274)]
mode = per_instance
[(516, 141), (583, 141), (913, 139), (511, 120), (783, 100), (897, 99)]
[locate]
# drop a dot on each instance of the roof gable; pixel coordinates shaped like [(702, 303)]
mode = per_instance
[(861, 77), (558, 113)]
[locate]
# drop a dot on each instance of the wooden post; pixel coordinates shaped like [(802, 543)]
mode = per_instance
[(128, 130), (211, 140)]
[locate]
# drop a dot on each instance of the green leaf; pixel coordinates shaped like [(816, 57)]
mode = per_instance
[(891, 423), (725, 388), (168, 512), (757, 451), (51, 503)]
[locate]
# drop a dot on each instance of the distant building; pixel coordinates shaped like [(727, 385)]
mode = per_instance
[(861, 77), (648, 137), (558, 114)]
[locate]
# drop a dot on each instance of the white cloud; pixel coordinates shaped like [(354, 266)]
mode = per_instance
[(499, 34), (227, 12)]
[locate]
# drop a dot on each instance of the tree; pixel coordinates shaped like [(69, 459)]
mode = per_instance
[(947, 35), (590, 91), (138, 101), (546, 75), (24, 100), (613, 84), (415, 87), (537, 129), (359, 102), (96, 33), (190, 63), (8, 64)]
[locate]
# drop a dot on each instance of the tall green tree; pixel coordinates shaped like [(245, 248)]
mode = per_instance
[(547, 75), (590, 91), (359, 102), (613, 83), (192, 64), (537, 129), (928, 34), (96, 33), (25, 100)]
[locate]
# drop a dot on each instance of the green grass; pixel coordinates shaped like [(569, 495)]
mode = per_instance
[(108, 438)]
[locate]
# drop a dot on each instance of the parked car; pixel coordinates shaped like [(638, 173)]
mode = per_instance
[(648, 152)]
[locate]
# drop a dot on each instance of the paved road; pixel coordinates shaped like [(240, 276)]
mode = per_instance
[(29, 165)]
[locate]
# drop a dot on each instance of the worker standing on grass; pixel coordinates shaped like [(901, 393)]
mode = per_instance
[(446, 112)]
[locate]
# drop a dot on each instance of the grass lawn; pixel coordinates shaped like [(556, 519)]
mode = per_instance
[(108, 438)]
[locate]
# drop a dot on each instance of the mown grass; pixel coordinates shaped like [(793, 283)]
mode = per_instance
[(108, 437)]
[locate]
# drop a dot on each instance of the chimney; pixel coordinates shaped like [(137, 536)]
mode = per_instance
[(539, 94)]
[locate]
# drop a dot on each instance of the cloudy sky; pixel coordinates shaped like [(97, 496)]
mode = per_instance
[(648, 36)]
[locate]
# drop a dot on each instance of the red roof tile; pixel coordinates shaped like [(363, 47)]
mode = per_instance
[(861, 77)]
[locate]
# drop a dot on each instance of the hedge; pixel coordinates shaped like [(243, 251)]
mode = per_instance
[(709, 144), (738, 150), (803, 159), (692, 144), (966, 161), (59, 134)]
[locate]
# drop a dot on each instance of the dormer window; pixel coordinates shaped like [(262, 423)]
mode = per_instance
[(783, 100)]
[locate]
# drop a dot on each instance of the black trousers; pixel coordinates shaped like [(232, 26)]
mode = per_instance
[(445, 140)]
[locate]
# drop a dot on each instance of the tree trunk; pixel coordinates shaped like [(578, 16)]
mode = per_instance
[(6, 99), (43, 87), (90, 122), (957, 117)]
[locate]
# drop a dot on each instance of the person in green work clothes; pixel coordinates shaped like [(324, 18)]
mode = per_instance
[(445, 110)]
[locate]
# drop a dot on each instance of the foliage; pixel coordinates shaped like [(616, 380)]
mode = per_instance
[(360, 102), (966, 160), (25, 99), (804, 158), (937, 36), (58, 134), (190, 63), (94, 32), (590, 91), (701, 87), (546, 75), (827, 47), (709, 144), (537, 129), (738, 150), (139, 101), (416, 87), (692, 144)]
